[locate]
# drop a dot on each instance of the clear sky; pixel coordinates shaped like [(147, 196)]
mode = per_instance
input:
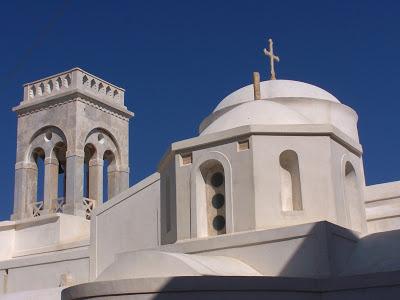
[(178, 59)]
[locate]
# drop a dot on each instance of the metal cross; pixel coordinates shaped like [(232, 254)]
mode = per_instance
[(272, 57)]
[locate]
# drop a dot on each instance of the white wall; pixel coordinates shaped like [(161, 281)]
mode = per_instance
[(382, 205), (46, 294), (129, 221)]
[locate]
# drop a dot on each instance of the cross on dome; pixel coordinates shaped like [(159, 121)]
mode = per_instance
[(272, 57)]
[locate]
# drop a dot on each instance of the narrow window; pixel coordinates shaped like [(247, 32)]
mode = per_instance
[(290, 181), (37, 180), (60, 151), (214, 178), (39, 159), (109, 180)]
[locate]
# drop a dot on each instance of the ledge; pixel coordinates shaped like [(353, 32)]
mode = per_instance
[(46, 258), (273, 130), (257, 287), (70, 95)]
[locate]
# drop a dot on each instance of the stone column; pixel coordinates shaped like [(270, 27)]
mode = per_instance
[(74, 183), (118, 180), (25, 189), (50, 183), (96, 180)]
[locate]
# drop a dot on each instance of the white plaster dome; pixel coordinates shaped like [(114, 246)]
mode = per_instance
[(283, 102), (255, 113), (276, 89)]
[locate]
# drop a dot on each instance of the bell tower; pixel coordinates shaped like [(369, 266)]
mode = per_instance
[(72, 131)]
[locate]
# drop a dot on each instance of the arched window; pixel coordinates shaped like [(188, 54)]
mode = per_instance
[(353, 197), (214, 191), (60, 150), (46, 188), (101, 174), (108, 175), (290, 181), (38, 156), (88, 184)]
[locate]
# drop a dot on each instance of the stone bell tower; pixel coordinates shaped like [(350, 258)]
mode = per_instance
[(75, 126)]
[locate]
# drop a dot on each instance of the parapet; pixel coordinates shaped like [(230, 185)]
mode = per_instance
[(74, 80)]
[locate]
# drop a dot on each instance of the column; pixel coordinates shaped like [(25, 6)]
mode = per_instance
[(25, 189), (118, 180), (96, 180), (74, 183), (50, 183)]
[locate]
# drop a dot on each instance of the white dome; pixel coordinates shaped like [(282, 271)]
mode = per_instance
[(276, 89), (256, 113)]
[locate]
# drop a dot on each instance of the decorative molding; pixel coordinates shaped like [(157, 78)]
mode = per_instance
[(81, 98)]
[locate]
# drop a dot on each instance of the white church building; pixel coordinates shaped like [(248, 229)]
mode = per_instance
[(268, 202)]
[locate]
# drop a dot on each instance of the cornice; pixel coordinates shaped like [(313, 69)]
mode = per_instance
[(25, 109)]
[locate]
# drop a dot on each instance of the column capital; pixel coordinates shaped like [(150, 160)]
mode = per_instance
[(51, 161), (79, 153), (25, 165), (96, 162), (123, 169)]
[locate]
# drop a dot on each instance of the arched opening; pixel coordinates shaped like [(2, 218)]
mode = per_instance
[(46, 184), (88, 185), (37, 183), (290, 181), (214, 196), (353, 197), (60, 150), (109, 183), (38, 157)]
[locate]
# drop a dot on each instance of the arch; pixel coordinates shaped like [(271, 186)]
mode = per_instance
[(37, 182), (41, 138), (109, 182), (291, 198), (352, 195), (102, 161), (103, 140), (88, 185), (198, 197), (49, 182), (59, 156)]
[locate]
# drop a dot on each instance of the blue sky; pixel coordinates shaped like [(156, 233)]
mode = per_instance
[(178, 59)]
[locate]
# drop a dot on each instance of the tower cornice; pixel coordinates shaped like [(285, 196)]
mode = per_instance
[(73, 95)]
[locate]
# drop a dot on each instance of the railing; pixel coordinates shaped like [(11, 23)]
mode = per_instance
[(58, 204), (73, 79), (36, 209), (89, 206)]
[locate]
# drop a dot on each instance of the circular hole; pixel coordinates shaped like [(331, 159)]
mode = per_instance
[(48, 135), (218, 201), (100, 138), (219, 223), (217, 179)]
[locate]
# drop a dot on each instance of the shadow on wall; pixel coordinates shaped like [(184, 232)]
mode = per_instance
[(327, 252)]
